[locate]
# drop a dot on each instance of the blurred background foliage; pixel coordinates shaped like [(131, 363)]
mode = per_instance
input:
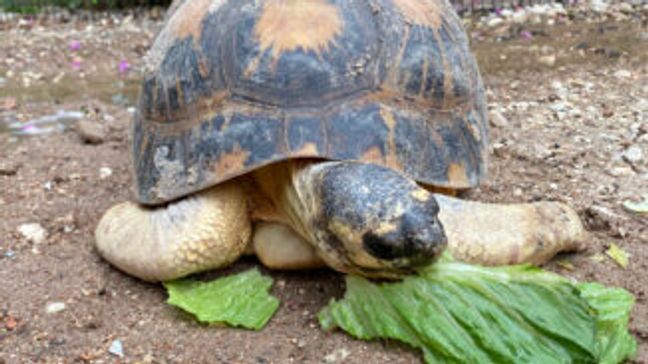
[(33, 6)]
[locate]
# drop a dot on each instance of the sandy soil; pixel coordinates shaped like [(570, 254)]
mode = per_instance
[(574, 129)]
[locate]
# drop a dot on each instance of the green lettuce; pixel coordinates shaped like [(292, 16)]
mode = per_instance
[(236, 300), (460, 313)]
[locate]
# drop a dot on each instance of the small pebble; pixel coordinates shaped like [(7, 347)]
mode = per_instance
[(549, 60), (116, 348), (105, 172), (622, 74), (337, 356), (497, 120), (55, 307), (91, 132), (8, 168), (633, 154), (33, 232)]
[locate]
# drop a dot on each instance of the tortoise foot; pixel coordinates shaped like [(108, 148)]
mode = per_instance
[(494, 234)]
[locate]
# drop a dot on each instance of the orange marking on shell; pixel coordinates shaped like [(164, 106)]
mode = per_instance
[(203, 68), (388, 117), (372, 155), (391, 159), (421, 12), (308, 149), (457, 175), (232, 163), (187, 20), (287, 25)]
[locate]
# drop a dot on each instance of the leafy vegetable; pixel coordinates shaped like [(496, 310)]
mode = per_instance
[(460, 313), (611, 307), (238, 300), (620, 256)]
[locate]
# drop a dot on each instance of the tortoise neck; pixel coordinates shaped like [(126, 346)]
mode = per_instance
[(275, 186)]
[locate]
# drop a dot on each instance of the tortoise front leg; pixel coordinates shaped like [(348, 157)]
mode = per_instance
[(204, 231), (499, 234)]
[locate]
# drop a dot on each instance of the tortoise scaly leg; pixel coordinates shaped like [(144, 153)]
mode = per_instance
[(499, 234), (204, 231)]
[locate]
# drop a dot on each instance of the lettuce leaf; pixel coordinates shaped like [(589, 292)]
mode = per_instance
[(237, 300), (457, 313), (611, 307)]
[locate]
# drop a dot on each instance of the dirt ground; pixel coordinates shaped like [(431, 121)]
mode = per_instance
[(572, 99)]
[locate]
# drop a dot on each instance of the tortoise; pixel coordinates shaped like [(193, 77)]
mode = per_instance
[(316, 132)]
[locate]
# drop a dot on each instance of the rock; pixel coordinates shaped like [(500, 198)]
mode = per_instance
[(337, 356), (624, 171), (520, 16), (600, 218), (622, 74), (548, 60), (8, 168), (598, 6), (116, 348), (607, 111), (105, 172), (497, 120), (500, 150), (494, 22), (625, 7), (54, 307), (561, 91), (561, 109), (67, 223), (530, 152), (91, 132), (633, 155), (33, 232)]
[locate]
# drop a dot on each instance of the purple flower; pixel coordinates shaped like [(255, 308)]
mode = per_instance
[(76, 64), (75, 45), (124, 66), (498, 11), (525, 34)]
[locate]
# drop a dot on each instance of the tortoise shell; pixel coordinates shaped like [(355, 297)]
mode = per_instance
[(233, 85)]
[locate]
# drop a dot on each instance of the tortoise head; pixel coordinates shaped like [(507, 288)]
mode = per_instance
[(368, 219)]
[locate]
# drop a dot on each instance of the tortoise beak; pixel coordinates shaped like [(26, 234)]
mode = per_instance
[(419, 240)]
